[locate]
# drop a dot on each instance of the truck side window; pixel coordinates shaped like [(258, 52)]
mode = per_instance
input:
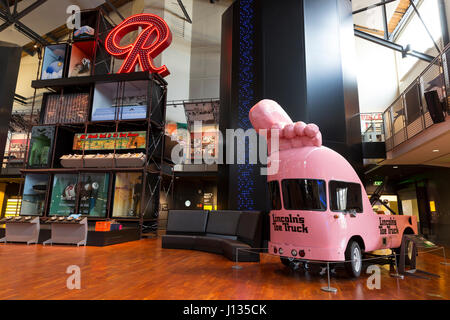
[(304, 194), (345, 196), (275, 197)]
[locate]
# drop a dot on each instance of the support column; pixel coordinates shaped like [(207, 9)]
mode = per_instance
[(10, 55)]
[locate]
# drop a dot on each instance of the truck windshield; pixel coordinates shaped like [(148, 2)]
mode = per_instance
[(275, 197), (304, 194)]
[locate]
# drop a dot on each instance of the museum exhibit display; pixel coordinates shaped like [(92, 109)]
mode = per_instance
[(308, 226), (81, 59), (54, 64), (68, 108), (119, 103), (34, 194), (21, 229), (41, 145), (98, 149), (93, 194), (68, 230), (127, 194)]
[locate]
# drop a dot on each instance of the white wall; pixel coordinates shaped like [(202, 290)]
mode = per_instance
[(377, 76), (206, 44)]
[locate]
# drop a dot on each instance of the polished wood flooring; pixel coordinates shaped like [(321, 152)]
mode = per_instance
[(142, 270)]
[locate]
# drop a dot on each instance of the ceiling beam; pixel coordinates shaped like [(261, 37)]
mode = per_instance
[(183, 8), (15, 17), (394, 46)]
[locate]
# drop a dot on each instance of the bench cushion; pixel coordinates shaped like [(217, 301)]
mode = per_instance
[(223, 222), (249, 228), (230, 251), (187, 221), (178, 242), (208, 244)]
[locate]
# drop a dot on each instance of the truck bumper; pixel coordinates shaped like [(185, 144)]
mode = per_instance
[(307, 253)]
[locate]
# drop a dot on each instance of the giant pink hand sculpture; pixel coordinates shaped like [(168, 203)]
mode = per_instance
[(269, 115)]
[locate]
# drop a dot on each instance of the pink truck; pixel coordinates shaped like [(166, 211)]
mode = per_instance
[(320, 210)]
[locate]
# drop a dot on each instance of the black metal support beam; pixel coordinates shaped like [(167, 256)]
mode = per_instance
[(114, 9), (402, 21), (382, 3), (393, 46), (16, 16), (186, 15), (444, 24), (385, 22)]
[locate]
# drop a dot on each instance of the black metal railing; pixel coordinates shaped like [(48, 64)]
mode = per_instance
[(424, 103)]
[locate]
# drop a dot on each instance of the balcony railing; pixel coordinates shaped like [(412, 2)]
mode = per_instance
[(424, 103)]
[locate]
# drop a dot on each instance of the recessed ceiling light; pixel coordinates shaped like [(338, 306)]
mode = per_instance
[(395, 167), (436, 150)]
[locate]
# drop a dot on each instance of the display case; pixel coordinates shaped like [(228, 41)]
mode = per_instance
[(54, 63), (67, 108), (64, 195), (88, 26), (82, 59), (127, 194), (94, 194), (113, 101), (34, 195), (40, 152)]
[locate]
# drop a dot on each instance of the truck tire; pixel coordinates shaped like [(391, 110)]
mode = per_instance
[(408, 253), (285, 261), (353, 255)]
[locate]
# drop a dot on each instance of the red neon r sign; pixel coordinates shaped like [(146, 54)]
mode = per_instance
[(154, 38)]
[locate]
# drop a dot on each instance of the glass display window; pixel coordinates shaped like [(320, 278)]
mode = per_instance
[(41, 146), (94, 194), (34, 191), (64, 194), (120, 101), (127, 195)]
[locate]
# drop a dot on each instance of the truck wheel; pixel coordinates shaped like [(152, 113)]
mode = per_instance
[(285, 261), (408, 254), (353, 255)]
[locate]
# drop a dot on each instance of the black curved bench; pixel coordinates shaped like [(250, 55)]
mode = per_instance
[(221, 232)]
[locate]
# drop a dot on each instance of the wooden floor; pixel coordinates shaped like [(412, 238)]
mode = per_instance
[(142, 270)]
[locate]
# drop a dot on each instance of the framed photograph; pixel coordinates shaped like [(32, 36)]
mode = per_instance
[(53, 65), (81, 59)]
